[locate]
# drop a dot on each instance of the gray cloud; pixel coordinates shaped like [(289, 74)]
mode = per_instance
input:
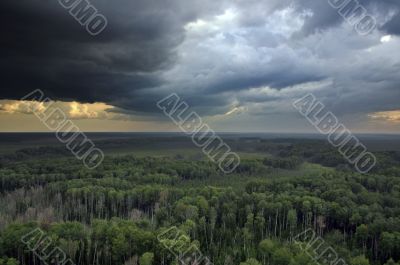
[(217, 55), (44, 47)]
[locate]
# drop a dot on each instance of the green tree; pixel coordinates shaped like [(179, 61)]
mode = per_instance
[(266, 248), (146, 259), (359, 260), (250, 261), (391, 262), (281, 257)]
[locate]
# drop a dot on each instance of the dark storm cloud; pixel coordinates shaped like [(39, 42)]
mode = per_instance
[(146, 53), (393, 26), (279, 73), (324, 16), (44, 47)]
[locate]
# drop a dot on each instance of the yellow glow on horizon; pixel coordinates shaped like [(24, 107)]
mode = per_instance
[(21, 106), (73, 110), (18, 116), (391, 116), (89, 110)]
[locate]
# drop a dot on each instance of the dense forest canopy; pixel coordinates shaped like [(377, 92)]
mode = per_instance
[(115, 213)]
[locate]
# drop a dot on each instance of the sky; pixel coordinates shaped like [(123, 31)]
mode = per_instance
[(239, 64)]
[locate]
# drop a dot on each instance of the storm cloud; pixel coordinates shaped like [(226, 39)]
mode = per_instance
[(256, 56)]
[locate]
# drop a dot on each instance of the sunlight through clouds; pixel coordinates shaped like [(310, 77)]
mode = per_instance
[(228, 59), (21, 106), (73, 110), (89, 111), (386, 38), (390, 116)]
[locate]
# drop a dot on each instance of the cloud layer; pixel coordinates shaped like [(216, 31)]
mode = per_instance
[(248, 59)]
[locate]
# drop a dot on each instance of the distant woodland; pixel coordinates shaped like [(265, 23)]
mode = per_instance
[(113, 214)]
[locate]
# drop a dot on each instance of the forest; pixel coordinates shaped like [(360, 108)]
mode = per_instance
[(115, 214)]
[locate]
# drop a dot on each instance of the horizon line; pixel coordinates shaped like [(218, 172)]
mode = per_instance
[(218, 132)]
